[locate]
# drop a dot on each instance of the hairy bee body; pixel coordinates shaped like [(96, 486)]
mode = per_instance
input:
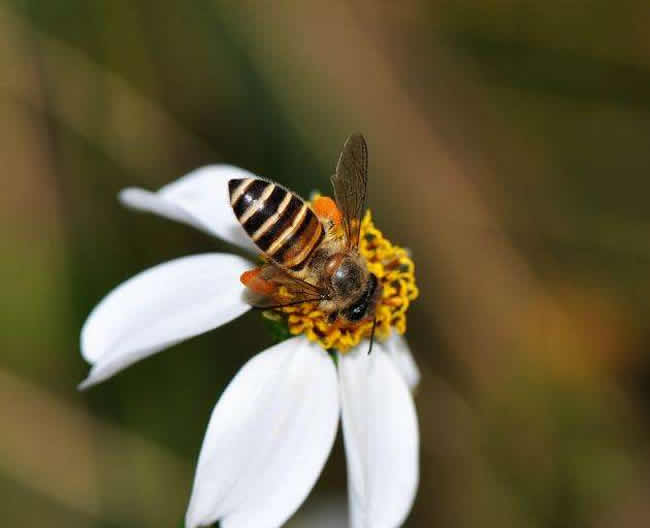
[(280, 223), (290, 234)]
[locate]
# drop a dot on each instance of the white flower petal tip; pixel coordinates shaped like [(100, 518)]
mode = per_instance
[(160, 307), (399, 351), (268, 439), (381, 437), (86, 384), (200, 199)]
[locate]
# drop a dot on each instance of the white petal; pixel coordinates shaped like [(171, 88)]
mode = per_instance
[(268, 439), (399, 351), (199, 199), (381, 439), (160, 307)]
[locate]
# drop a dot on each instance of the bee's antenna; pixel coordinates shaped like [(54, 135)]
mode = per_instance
[(372, 335)]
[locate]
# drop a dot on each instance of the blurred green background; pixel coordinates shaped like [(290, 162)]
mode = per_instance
[(510, 150)]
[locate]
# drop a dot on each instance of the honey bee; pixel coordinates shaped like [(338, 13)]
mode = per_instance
[(312, 251)]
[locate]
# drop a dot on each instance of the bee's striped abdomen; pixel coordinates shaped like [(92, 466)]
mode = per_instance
[(281, 224)]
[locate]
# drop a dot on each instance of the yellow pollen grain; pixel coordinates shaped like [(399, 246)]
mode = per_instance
[(395, 270)]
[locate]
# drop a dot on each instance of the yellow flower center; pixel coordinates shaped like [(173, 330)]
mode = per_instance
[(395, 271)]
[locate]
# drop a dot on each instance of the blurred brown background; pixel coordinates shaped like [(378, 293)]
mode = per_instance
[(510, 149)]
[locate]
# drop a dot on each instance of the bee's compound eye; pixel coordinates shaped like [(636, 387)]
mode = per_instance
[(357, 312), (360, 309)]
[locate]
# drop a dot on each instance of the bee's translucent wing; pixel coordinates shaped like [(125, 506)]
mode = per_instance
[(350, 182), (269, 286)]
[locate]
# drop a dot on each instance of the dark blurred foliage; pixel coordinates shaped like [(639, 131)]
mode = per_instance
[(510, 149)]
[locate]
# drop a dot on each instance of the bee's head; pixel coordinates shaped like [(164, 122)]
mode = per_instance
[(352, 286), (364, 307)]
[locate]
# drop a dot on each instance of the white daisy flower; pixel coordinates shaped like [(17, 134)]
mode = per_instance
[(274, 426)]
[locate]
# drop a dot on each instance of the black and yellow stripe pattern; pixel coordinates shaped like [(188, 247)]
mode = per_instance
[(282, 225)]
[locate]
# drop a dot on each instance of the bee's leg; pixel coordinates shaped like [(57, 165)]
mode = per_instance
[(253, 279), (332, 317), (372, 335)]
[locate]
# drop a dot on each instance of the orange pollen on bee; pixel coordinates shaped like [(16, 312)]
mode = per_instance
[(252, 280), (325, 207)]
